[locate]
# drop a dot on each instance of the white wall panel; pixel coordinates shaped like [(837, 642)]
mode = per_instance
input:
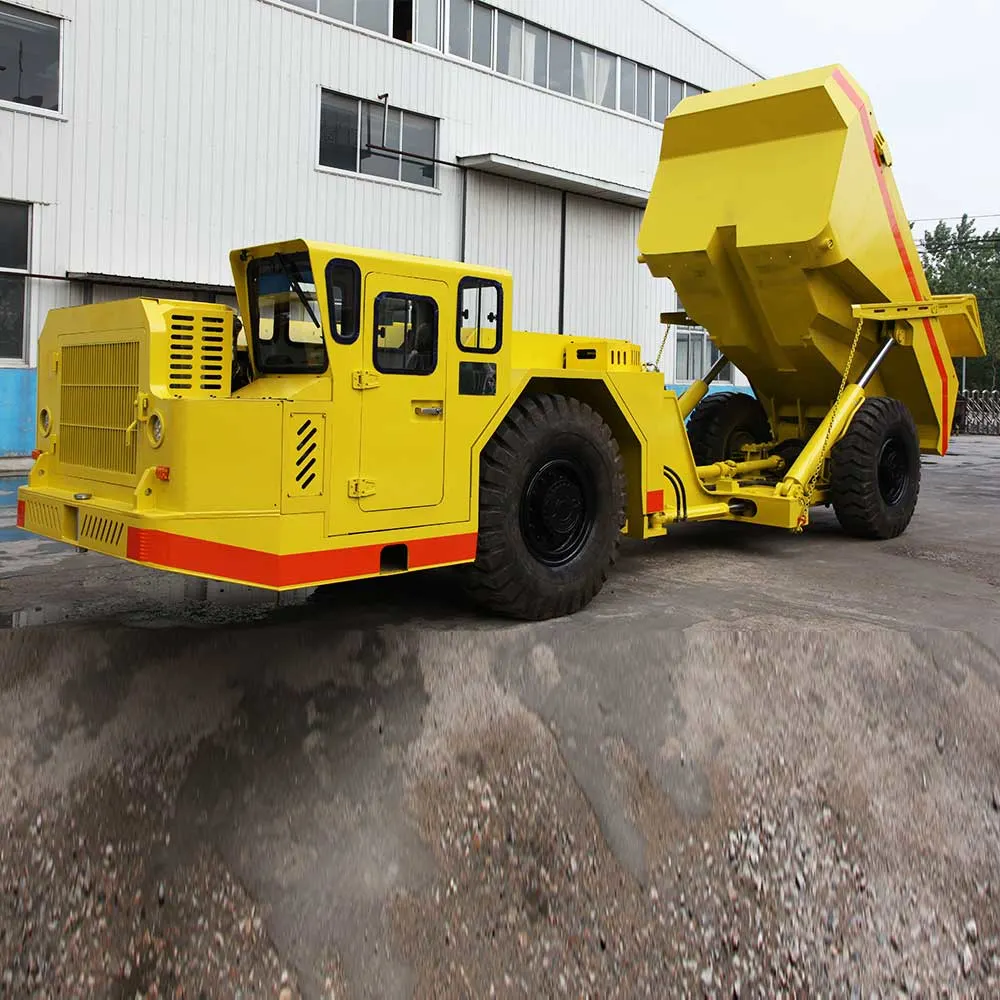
[(517, 226), (608, 293)]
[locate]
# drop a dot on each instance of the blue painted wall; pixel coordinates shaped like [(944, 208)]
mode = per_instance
[(17, 411), (714, 387)]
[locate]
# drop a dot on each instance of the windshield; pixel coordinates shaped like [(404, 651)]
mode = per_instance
[(287, 334)]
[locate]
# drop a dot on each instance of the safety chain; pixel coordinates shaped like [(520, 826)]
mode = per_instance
[(659, 353), (810, 487)]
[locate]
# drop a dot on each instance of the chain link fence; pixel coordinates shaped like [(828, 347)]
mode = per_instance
[(978, 412)]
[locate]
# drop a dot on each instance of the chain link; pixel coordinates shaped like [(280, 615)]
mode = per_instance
[(810, 487), (659, 353)]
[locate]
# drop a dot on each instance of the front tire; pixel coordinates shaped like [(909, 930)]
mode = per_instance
[(551, 510), (875, 471)]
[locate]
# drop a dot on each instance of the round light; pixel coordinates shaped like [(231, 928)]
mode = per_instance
[(156, 430), (45, 421)]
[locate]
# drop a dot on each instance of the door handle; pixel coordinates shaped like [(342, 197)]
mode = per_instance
[(429, 411)]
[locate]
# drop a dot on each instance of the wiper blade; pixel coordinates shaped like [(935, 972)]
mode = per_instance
[(294, 282)]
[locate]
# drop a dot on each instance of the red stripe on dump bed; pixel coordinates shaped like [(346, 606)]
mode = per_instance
[(266, 569), (20, 513), (897, 233)]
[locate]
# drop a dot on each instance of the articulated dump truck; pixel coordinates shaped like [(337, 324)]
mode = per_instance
[(385, 416)]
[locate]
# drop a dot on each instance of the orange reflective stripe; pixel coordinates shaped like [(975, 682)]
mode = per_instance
[(897, 233), (300, 569)]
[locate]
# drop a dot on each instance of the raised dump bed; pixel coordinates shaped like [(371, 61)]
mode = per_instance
[(775, 214)]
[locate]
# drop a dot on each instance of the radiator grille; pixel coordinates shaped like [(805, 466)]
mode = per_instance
[(100, 383), (198, 353)]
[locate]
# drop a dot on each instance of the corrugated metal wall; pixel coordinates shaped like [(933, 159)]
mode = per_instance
[(518, 226), (607, 292)]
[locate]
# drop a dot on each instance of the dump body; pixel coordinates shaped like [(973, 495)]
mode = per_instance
[(774, 212)]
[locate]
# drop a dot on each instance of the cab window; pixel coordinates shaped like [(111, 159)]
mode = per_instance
[(286, 330), (480, 312), (343, 293), (406, 334)]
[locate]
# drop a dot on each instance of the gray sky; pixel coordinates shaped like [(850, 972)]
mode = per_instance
[(929, 66)]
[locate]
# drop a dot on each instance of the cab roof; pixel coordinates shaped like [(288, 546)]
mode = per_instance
[(370, 259)]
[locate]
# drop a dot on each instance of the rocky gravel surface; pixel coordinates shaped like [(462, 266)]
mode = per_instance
[(780, 901), (92, 903)]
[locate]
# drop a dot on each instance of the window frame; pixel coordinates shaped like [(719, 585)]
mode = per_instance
[(20, 360), (335, 335), (413, 297), (400, 155), (253, 337), (472, 281), (31, 109), (706, 356)]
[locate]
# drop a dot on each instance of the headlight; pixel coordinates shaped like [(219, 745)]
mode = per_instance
[(45, 421), (155, 430)]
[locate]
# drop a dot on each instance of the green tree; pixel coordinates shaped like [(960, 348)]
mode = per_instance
[(961, 260)]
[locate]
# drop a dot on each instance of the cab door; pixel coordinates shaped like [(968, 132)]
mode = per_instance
[(403, 394)]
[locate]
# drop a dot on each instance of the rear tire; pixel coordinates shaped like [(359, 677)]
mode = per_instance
[(551, 510), (724, 421), (875, 471)]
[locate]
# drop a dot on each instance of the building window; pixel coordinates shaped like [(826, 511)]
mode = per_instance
[(696, 353), (406, 20), (460, 28), (525, 51), (480, 315), (560, 63), (536, 55), (406, 334), (510, 32), (482, 34), (661, 96), (427, 20), (14, 226), (353, 132), (29, 58), (606, 87)]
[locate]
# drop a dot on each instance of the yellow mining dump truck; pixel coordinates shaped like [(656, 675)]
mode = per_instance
[(390, 418)]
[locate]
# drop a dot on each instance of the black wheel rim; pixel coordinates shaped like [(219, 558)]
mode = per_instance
[(893, 471), (557, 511)]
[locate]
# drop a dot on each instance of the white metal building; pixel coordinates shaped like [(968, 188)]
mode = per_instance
[(140, 141)]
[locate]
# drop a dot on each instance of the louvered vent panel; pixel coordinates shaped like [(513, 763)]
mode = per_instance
[(102, 533), (43, 518), (304, 450), (200, 353)]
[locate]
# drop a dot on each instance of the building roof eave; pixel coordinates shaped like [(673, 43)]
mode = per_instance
[(555, 177)]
